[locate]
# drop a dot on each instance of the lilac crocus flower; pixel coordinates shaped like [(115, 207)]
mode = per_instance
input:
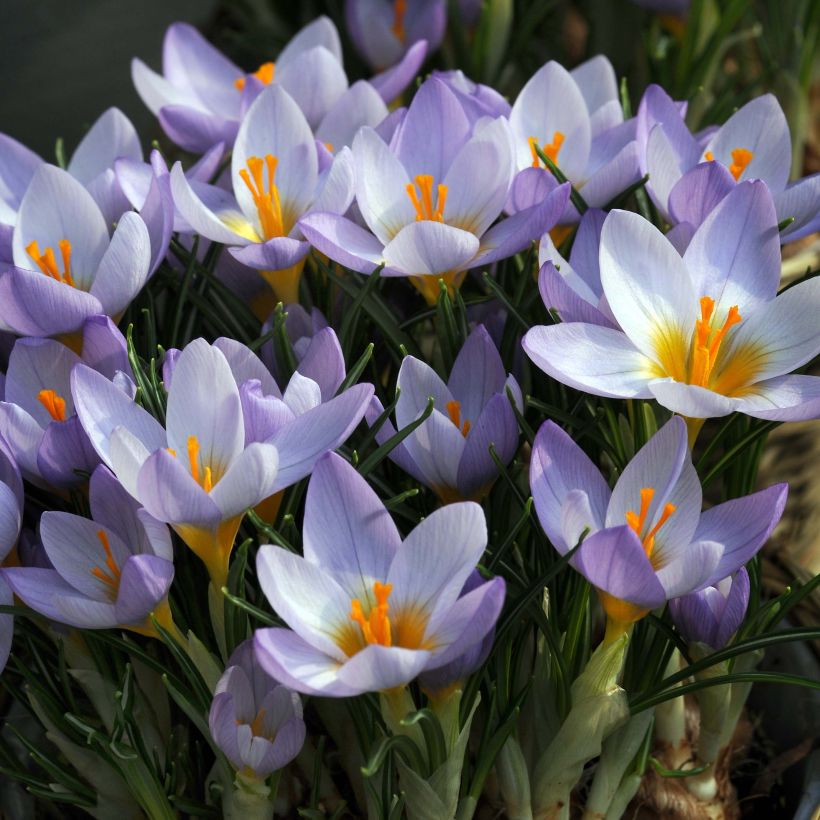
[(11, 507), (37, 418), (576, 118), (66, 267), (201, 97), (688, 177), (647, 541), (706, 334), (367, 611), (276, 179), (450, 451), (436, 226), (254, 720), (113, 570), (384, 30), (712, 615)]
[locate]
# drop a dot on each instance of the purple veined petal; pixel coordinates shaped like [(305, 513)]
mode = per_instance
[(6, 252), (307, 598), (157, 92), (577, 520), (336, 187), (596, 81), (314, 433), (169, 493), (343, 241), (22, 435), (347, 529), (760, 127), (10, 519), (691, 400), (558, 294), (6, 624), (145, 582), (557, 468), (614, 561), (65, 454), (801, 201), (477, 374), (513, 234), (203, 401), (430, 568), (612, 178), (436, 447), (57, 207), (734, 610), (264, 415), (496, 425), (319, 32), (529, 187), (369, 23), (691, 569), (324, 363), (315, 79), (302, 394), (429, 248), (698, 191), (298, 664), (249, 480), (476, 99), (106, 192), (210, 211), (658, 108), (391, 82), (359, 105), (785, 398), (246, 365), (33, 304), (665, 167), (680, 236), (648, 288), (381, 186), (207, 165), (287, 743), (742, 526), (695, 619), (551, 103), (377, 668), (597, 360), (222, 724), (607, 128), (102, 407), (112, 136), (104, 347), (195, 130), (734, 256), (387, 128), (433, 131), (276, 254), (275, 125), (158, 213), (417, 382), (399, 454), (18, 165), (657, 465), (10, 475)]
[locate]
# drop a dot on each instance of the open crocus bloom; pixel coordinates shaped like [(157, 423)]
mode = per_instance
[(705, 334), (647, 540), (383, 31), (429, 212), (112, 571), (253, 719), (275, 176), (197, 474), (576, 119), (687, 178), (66, 267), (712, 615), (37, 418), (367, 611), (11, 508), (450, 451)]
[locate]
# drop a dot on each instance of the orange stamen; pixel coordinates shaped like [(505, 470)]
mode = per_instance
[(207, 482), (47, 262), (704, 351), (709, 156), (454, 412), (399, 11), (637, 521), (550, 149), (741, 157), (376, 626), (264, 74), (111, 575), (267, 202), (423, 200), (54, 403), (256, 725)]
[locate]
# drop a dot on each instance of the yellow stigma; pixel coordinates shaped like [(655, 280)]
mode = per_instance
[(267, 202), (550, 149), (264, 74), (741, 157), (706, 341), (206, 481), (376, 627), (257, 724), (54, 403), (47, 262), (423, 198), (399, 11), (454, 411), (110, 576), (637, 521)]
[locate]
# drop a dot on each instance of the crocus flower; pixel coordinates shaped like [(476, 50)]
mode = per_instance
[(201, 97), (111, 570), (66, 267), (436, 226), (647, 541), (11, 506), (712, 615), (687, 178), (384, 30), (37, 418), (450, 450), (254, 720), (705, 334), (576, 119), (367, 611), (275, 176)]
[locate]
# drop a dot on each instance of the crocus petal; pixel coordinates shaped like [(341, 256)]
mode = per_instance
[(112, 136), (195, 130), (558, 294), (800, 201), (65, 454), (390, 83), (698, 191), (378, 668), (477, 374), (336, 186), (104, 347), (22, 435), (343, 241), (399, 454), (249, 480), (245, 365), (156, 92), (584, 256), (17, 167), (665, 166), (323, 362), (278, 253), (734, 610), (263, 415), (598, 360), (785, 398), (359, 105), (417, 383), (596, 81), (692, 569), (429, 247), (690, 399), (612, 178), (145, 582), (302, 394)]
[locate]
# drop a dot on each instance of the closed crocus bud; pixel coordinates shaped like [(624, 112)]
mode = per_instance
[(254, 720), (712, 615)]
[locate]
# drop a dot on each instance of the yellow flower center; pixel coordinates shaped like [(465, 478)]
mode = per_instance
[(551, 149), (423, 198), (267, 202), (741, 157), (54, 403), (637, 521), (376, 626), (47, 262), (264, 74), (111, 575), (454, 411), (399, 12)]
